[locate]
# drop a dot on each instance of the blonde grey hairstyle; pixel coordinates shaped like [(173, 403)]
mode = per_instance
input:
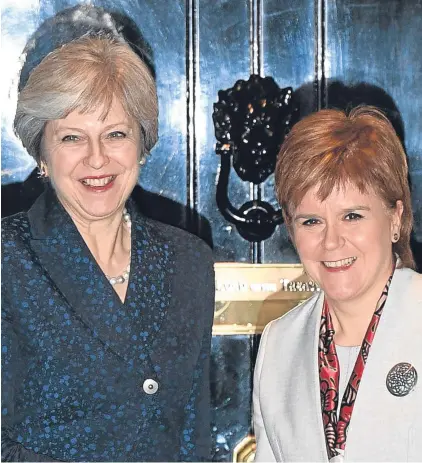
[(84, 75)]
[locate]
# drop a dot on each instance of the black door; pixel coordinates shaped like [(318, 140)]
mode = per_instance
[(331, 52)]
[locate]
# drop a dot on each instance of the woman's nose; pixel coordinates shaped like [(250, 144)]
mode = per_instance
[(96, 156), (332, 237)]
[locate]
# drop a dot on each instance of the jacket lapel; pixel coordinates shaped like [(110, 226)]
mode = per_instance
[(150, 288), (374, 434), (70, 265), (300, 377), (315, 444)]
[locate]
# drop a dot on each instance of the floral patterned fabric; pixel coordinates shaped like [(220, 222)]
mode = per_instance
[(76, 360)]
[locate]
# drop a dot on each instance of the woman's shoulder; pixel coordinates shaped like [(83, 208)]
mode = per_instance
[(15, 245), (406, 276), (190, 263), (299, 316), (15, 227), (181, 242), (407, 285)]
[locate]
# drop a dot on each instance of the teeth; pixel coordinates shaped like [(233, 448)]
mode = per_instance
[(340, 263), (98, 181)]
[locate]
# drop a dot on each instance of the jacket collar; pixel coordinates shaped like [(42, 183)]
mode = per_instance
[(48, 218), (299, 378), (397, 340), (75, 273), (310, 349)]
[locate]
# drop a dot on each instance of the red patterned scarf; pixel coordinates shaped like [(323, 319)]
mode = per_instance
[(329, 373)]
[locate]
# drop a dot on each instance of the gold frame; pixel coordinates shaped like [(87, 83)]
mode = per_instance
[(245, 450), (248, 296)]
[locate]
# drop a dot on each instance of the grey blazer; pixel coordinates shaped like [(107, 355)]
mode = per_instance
[(286, 397)]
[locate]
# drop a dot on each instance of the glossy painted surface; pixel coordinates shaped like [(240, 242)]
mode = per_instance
[(320, 48), (231, 389), (223, 59), (288, 56), (375, 46)]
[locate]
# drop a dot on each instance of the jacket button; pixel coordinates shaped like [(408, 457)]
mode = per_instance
[(150, 386)]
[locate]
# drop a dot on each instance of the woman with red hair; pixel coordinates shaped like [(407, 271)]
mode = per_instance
[(337, 377)]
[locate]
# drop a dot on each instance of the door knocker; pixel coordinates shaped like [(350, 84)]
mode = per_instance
[(251, 120)]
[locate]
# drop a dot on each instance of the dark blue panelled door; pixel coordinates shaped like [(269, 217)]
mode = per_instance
[(332, 53)]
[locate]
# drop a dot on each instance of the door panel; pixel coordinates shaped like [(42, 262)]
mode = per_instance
[(223, 53), (332, 53), (378, 43), (289, 35)]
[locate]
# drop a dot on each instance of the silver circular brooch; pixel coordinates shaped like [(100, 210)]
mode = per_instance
[(401, 379)]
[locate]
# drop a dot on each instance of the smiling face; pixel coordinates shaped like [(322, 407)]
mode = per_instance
[(93, 164), (345, 242)]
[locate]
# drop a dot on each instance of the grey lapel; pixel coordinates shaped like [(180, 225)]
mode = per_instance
[(296, 414), (381, 423)]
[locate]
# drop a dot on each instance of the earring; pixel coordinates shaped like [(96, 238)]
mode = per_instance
[(142, 161), (395, 237), (42, 171)]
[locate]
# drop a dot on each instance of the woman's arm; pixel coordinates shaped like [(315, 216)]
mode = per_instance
[(12, 366), (195, 441)]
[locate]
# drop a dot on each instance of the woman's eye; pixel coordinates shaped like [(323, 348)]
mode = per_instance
[(353, 216), (117, 134), (310, 222), (70, 138)]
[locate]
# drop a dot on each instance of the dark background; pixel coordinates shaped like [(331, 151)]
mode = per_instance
[(332, 52)]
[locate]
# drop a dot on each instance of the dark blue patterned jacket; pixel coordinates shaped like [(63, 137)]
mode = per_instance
[(87, 378)]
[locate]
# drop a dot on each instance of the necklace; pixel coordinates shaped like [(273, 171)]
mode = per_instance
[(124, 276)]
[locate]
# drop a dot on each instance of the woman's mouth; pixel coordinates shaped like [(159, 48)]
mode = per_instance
[(339, 265), (98, 183)]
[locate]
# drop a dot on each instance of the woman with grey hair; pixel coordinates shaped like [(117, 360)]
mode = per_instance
[(105, 348)]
